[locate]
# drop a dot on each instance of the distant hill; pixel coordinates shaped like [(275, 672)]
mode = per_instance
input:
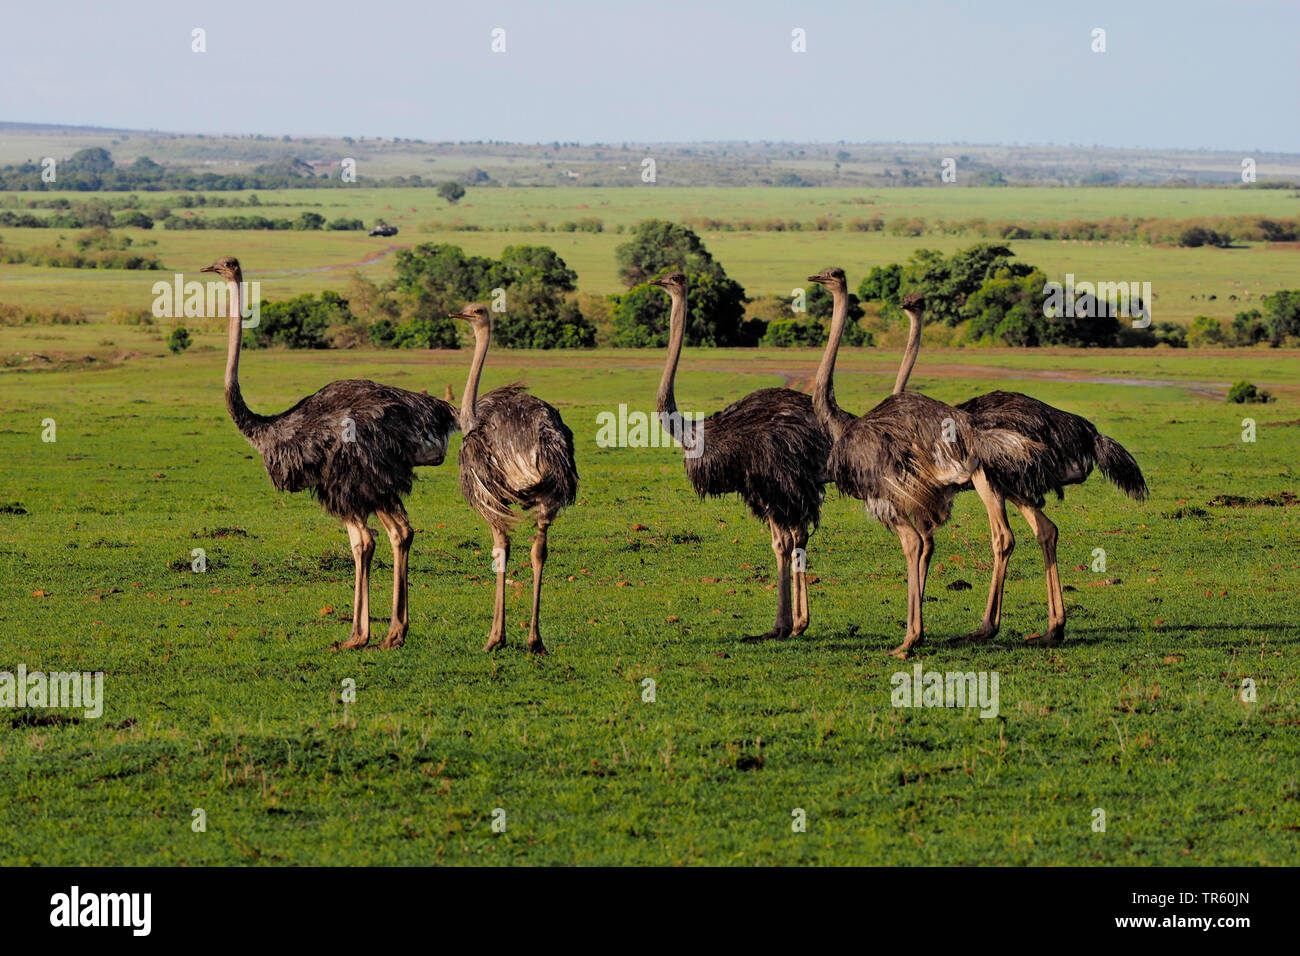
[(873, 165)]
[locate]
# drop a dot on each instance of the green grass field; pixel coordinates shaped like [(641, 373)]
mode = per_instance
[(220, 692), (765, 263)]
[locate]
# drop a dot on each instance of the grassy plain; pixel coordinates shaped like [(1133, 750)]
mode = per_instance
[(221, 693), (289, 263)]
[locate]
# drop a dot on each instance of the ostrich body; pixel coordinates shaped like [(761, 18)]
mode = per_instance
[(354, 444), (516, 451), (909, 456), (769, 448), (1071, 446)]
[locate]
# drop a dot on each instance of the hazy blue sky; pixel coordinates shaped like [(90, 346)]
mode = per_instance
[(1177, 73)]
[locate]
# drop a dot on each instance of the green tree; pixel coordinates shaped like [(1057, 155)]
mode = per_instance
[(424, 332), (134, 218), (716, 310), (93, 160), (948, 281), (300, 322), (534, 263), (714, 315), (451, 191), (1248, 328), (536, 317), (882, 284), (657, 245), (1282, 315), (1009, 310), (1205, 330), (309, 221)]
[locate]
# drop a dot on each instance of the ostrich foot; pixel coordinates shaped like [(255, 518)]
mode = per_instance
[(777, 633), (494, 641), (904, 651), (394, 640), (535, 645), (980, 635), (799, 628), (1055, 635), (353, 643)]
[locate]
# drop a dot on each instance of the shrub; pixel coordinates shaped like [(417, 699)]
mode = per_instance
[(794, 333), (1244, 392), (179, 340), (1205, 330)]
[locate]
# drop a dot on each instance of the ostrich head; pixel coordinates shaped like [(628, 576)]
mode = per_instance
[(832, 277), (476, 314), (913, 302), (673, 281), (227, 268)]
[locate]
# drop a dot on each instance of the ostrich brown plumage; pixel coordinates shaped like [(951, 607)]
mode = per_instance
[(516, 451), (908, 457), (769, 449), (355, 444), (1071, 445)]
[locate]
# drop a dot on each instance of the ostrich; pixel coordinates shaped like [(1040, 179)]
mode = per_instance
[(909, 456), (516, 451), (1071, 445), (768, 448), (355, 444)]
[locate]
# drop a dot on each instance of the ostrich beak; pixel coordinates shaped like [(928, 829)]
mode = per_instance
[(817, 278), (208, 269), (459, 315)]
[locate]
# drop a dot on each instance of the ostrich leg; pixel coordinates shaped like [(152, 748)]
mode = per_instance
[(500, 558), (927, 552), (800, 585), (1004, 542), (913, 546), (400, 537), (363, 549), (538, 555), (1045, 531), (782, 545)]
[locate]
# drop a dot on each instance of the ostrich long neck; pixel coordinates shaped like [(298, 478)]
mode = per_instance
[(829, 414), (245, 420), (469, 401), (666, 401), (910, 353)]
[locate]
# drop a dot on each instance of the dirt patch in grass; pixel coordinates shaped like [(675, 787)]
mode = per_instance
[(1279, 500)]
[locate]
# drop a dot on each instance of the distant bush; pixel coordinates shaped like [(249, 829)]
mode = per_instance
[(12, 314), (794, 333), (1205, 330), (1244, 392), (130, 317), (134, 219), (342, 224), (299, 323), (179, 340), (1195, 236)]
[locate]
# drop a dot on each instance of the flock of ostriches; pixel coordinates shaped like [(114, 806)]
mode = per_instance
[(777, 448)]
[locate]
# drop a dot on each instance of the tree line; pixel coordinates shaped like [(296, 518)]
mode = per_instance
[(94, 170), (982, 293)]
